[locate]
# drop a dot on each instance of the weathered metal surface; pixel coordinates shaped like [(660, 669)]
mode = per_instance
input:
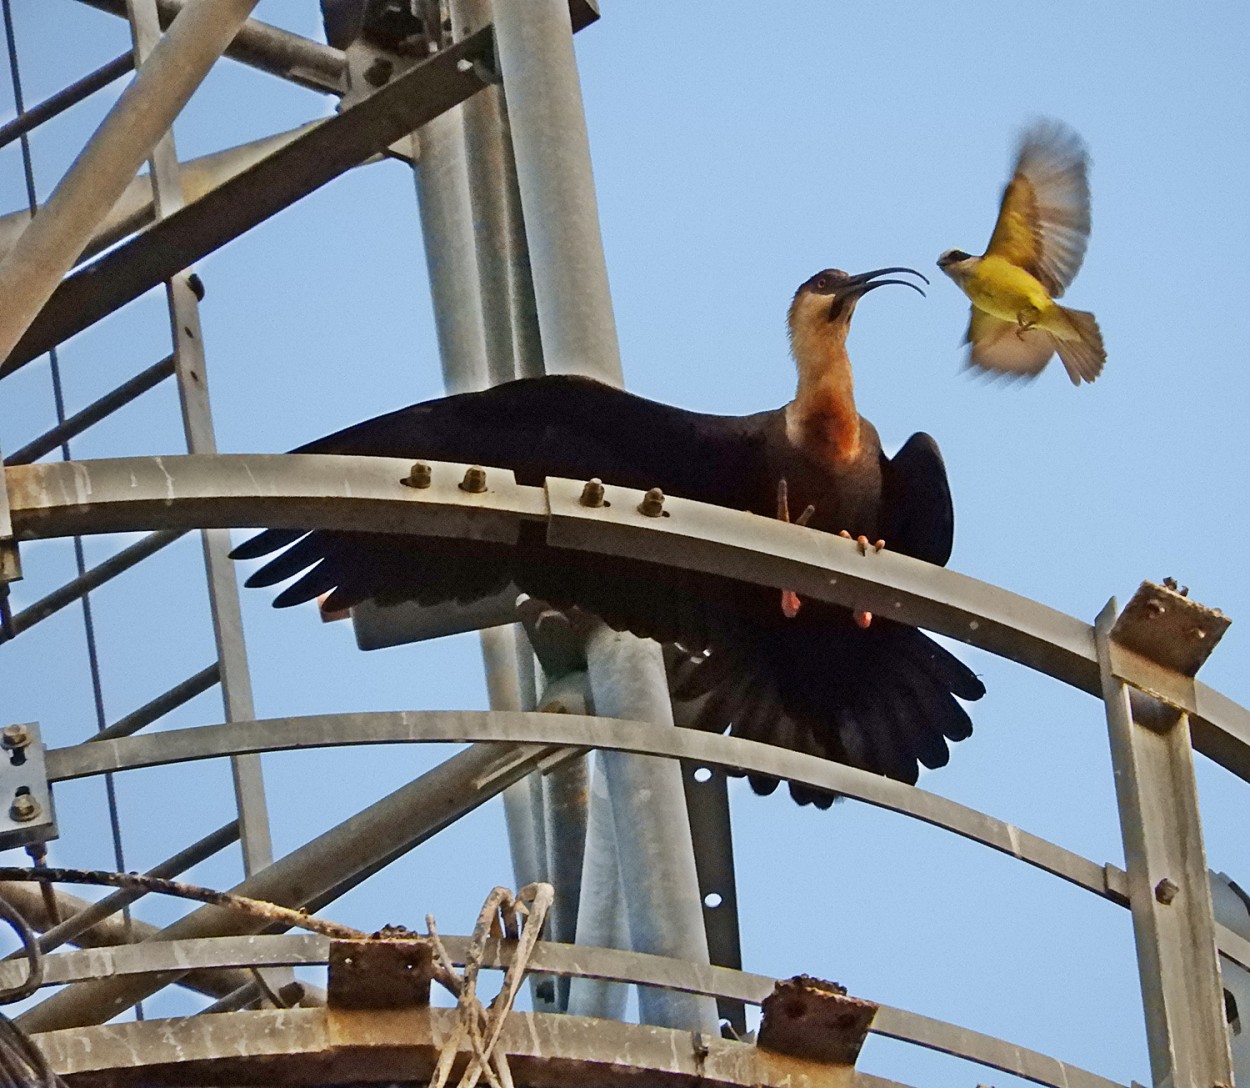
[(1169, 628), (52, 500), (316, 1046), (565, 960), (268, 48), (1169, 889), (320, 870), (240, 203), (27, 814), (808, 1017), (573, 731), (380, 973)]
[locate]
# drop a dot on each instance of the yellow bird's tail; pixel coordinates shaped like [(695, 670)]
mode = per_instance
[(1078, 341)]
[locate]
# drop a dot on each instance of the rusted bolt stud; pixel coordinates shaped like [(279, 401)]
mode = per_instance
[(474, 480), (24, 808), (14, 737), (1165, 891), (652, 504), (592, 493), (420, 475)]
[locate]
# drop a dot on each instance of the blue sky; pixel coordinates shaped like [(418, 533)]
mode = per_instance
[(734, 156)]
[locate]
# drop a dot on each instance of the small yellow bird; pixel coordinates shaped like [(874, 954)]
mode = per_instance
[(1034, 254)]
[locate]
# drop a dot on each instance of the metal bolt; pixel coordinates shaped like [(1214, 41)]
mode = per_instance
[(14, 737), (652, 504), (474, 480), (379, 73), (1166, 891), (24, 808), (420, 475), (592, 493)]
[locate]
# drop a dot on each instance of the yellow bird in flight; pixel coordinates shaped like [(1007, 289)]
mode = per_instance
[(1034, 254)]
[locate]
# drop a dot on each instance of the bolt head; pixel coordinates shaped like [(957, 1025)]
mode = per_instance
[(24, 808), (592, 493), (1166, 891), (14, 736), (474, 480), (419, 476), (652, 504)]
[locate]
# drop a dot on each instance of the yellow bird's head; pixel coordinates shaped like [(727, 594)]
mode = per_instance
[(825, 302), (958, 265)]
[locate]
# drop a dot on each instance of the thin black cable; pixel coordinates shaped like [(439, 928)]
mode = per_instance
[(58, 396), (22, 1063)]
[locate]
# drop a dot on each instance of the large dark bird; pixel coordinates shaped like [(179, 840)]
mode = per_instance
[(807, 675)]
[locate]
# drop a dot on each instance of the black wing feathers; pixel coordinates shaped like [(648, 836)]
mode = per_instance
[(882, 699)]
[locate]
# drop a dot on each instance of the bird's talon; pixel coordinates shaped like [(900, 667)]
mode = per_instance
[(862, 541), (845, 535), (878, 546)]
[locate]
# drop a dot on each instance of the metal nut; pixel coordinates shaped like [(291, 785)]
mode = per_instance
[(379, 73), (24, 808), (1166, 891), (14, 736), (419, 476), (592, 493), (652, 504), (474, 480)]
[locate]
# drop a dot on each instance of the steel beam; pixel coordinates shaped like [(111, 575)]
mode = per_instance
[(110, 933), (1169, 890), (48, 248), (268, 48), (300, 491), (191, 374), (320, 870), (65, 98), (240, 203), (97, 410), (570, 961)]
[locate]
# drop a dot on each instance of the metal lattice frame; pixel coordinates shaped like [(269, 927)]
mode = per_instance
[(519, 162)]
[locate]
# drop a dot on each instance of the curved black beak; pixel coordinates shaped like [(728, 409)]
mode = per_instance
[(858, 286)]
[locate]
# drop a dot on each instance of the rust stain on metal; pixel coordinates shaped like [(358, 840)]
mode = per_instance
[(1168, 628), (382, 972), (811, 1018)]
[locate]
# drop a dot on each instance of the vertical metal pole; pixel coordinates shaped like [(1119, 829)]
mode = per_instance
[(460, 317), (192, 378), (534, 40), (653, 842), (1169, 890), (601, 921), (47, 249)]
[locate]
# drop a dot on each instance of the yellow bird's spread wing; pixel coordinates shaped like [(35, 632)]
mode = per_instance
[(1043, 223), (1001, 345)]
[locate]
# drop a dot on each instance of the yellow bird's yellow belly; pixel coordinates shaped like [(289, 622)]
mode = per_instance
[(1007, 292)]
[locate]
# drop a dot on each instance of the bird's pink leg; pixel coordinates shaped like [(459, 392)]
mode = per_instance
[(862, 617)]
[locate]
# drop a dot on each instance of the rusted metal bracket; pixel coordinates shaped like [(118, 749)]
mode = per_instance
[(806, 1017), (381, 972)]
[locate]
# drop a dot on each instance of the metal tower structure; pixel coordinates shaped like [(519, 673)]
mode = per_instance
[(483, 99)]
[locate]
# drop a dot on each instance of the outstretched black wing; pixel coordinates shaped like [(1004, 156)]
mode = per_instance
[(917, 516), (881, 699)]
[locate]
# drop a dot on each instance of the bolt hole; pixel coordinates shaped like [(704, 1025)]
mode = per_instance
[(712, 900), (187, 330), (703, 774), (606, 503)]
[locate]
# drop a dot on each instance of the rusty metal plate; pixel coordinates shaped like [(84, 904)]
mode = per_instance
[(1169, 629), (380, 973), (810, 1018)]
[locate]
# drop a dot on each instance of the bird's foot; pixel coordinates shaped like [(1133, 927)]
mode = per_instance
[(790, 603), (862, 542), (863, 618)]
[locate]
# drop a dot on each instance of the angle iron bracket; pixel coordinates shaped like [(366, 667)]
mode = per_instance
[(26, 812)]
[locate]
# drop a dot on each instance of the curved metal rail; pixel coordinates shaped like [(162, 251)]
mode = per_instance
[(573, 730), (556, 959), (137, 493)]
